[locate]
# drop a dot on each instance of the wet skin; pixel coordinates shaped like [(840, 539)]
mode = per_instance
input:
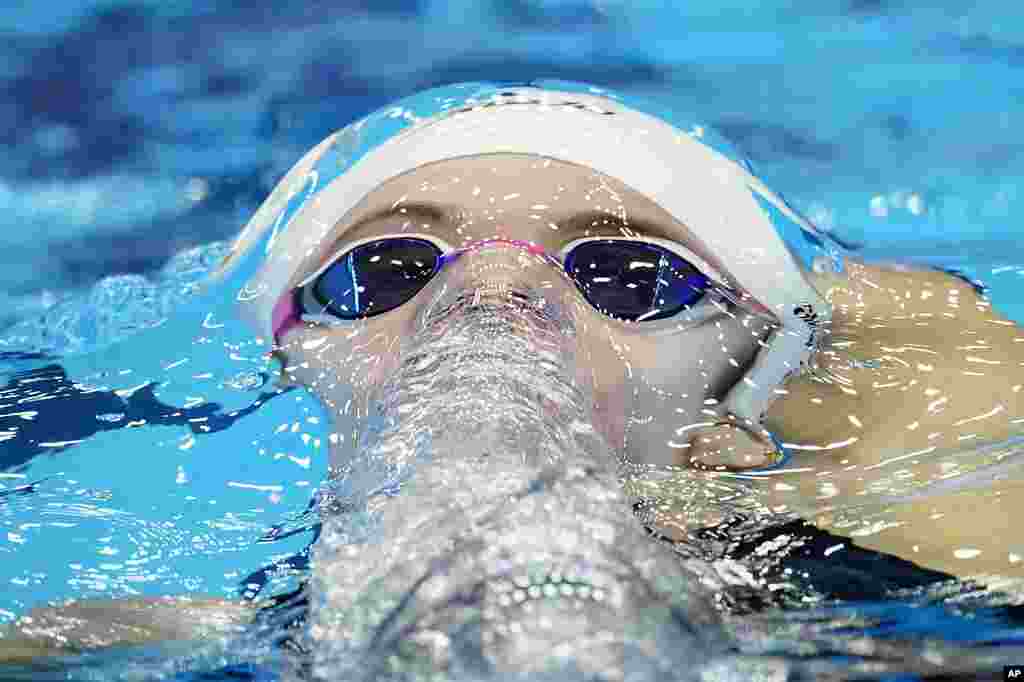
[(680, 368), (500, 494), (948, 377), (651, 380)]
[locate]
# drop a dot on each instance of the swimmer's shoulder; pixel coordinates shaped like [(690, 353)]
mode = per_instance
[(893, 290)]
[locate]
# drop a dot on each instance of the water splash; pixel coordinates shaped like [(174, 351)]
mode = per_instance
[(114, 308)]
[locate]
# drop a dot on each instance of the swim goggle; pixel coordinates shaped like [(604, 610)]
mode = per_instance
[(626, 279), (749, 231)]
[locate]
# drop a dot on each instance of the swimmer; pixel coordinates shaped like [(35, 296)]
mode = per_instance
[(524, 309), (787, 339)]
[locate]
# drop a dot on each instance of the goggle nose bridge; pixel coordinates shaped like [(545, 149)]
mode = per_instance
[(531, 247)]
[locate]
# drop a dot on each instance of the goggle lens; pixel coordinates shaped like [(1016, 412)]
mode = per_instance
[(627, 280), (377, 277), (634, 280)]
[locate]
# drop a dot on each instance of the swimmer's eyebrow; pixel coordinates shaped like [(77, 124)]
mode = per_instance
[(599, 222), (415, 211), (421, 211), (572, 224)]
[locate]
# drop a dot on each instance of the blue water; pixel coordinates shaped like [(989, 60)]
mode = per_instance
[(139, 137)]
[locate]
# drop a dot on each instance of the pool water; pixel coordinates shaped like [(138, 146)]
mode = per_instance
[(146, 449)]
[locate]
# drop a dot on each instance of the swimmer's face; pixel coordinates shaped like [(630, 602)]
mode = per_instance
[(653, 383)]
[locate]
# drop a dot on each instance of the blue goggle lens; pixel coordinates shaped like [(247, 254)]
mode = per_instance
[(377, 277), (635, 280)]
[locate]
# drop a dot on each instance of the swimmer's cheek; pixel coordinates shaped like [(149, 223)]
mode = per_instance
[(95, 624)]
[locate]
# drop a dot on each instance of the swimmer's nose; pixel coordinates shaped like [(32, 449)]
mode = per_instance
[(502, 243), (503, 273), (492, 259), (505, 268)]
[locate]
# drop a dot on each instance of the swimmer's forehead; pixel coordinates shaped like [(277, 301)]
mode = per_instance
[(518, 196)]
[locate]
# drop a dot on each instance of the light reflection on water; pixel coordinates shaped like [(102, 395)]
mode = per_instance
[(177, 509), (146, 469)]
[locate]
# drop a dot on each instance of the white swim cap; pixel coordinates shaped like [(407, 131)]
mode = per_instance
[(685, 168)]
